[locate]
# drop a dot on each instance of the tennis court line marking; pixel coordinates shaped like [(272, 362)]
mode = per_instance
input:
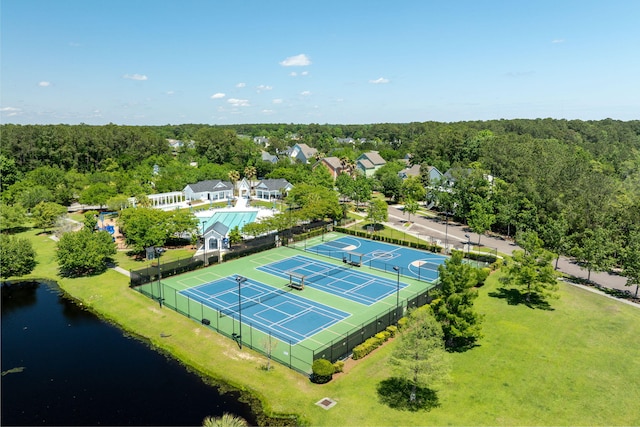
[(213, 300)]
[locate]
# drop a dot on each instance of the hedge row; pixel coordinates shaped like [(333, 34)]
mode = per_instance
[(374, 342), (478, 256), (418, 245)]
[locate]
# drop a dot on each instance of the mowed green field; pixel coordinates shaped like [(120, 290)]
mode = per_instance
[(576, 364)]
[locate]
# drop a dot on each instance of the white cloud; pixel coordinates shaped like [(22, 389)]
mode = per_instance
[(239, 102), (277, 101), (381, 80), (301, 60), (218, 95), (555, 41), (304, 73), (305, 93), (241, 84), (10, 111), (44, 84), (293, 74), (267, 111), (264, 87), (170, 92), (140, 77)]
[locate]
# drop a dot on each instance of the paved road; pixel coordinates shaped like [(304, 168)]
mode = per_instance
[(455, 234)]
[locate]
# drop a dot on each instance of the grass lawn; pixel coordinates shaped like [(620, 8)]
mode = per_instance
[(576, 364)]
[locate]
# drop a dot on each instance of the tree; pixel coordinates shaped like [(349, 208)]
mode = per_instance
[(234, 177), (46, 214), (17, 256), (419, 355), (481, 218), (12, 217), (411, 207), (345, 185), (83, 252), (594, 250), (532, 267), (453, 307), (631, 260), (97, 194), (378, 212), (412, 189), (234, 236), (361, 190), (554, 235), (90, 220), (142, 227), (226, 420)]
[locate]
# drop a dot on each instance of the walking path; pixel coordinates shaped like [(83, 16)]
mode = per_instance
[(455, 234)]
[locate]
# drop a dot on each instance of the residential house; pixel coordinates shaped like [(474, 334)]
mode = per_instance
[(333, 164), (409, 172), (244, 188), (272, 188), (369, 162), (303, 153), (453, 174), (268, 157), (214, 189), (216, 236)]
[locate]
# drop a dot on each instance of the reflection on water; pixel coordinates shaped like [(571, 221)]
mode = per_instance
[(61, 365)]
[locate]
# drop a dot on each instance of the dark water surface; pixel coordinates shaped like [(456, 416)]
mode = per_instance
[(79, 370)]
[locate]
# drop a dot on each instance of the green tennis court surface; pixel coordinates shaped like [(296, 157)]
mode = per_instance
[(339, 307)]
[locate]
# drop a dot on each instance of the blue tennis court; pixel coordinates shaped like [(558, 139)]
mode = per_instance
[(280, 312), (339, 280), (421, 265)]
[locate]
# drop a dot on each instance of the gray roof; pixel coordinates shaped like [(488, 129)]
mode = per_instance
[(273, 184), (374, 158), (219, 228), (307, 151), (366, 164), (333, 162), (268, 157), (412, 171), (210, 185)]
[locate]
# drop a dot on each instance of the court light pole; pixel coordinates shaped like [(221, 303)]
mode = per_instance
[(238, 337), (204, 244), (397, 269), (159, 252)]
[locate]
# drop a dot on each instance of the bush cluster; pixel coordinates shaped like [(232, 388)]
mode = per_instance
[(372, 343), (322, 371)]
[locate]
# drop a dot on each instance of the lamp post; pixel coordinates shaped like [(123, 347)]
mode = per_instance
[(446, 231), (204, 244), (238, 336), (468, 246), (397, 269), (159, 252)]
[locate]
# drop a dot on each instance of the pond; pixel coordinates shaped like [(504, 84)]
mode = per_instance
[(62, 365)]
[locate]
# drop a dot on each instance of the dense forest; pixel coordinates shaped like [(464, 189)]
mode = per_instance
[(576, 183)]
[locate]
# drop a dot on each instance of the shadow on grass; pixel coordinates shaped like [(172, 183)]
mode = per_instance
[(396, 393), (515, 297)]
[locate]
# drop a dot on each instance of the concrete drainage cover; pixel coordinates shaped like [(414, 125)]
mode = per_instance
[(326, 403)]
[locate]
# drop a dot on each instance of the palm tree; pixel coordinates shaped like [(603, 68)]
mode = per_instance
[(250, 172), (226, 420), (234, 177)]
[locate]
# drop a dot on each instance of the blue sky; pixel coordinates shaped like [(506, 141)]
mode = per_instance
[(143, 62)]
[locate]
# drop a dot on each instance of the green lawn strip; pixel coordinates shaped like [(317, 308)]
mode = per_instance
[(574, 365), (129, 262)]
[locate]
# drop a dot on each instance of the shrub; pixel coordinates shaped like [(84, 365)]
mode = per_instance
[(481, 276), (402, 322), (392, 329), (322, 371), (338, 366)]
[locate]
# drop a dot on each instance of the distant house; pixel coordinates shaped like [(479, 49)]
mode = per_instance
[(272, 188), (453, 174), (261, 140), (303, 153), (268, 157), (409, 172), (333, 164), (369, 162), (214, 189), (435, 176)]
